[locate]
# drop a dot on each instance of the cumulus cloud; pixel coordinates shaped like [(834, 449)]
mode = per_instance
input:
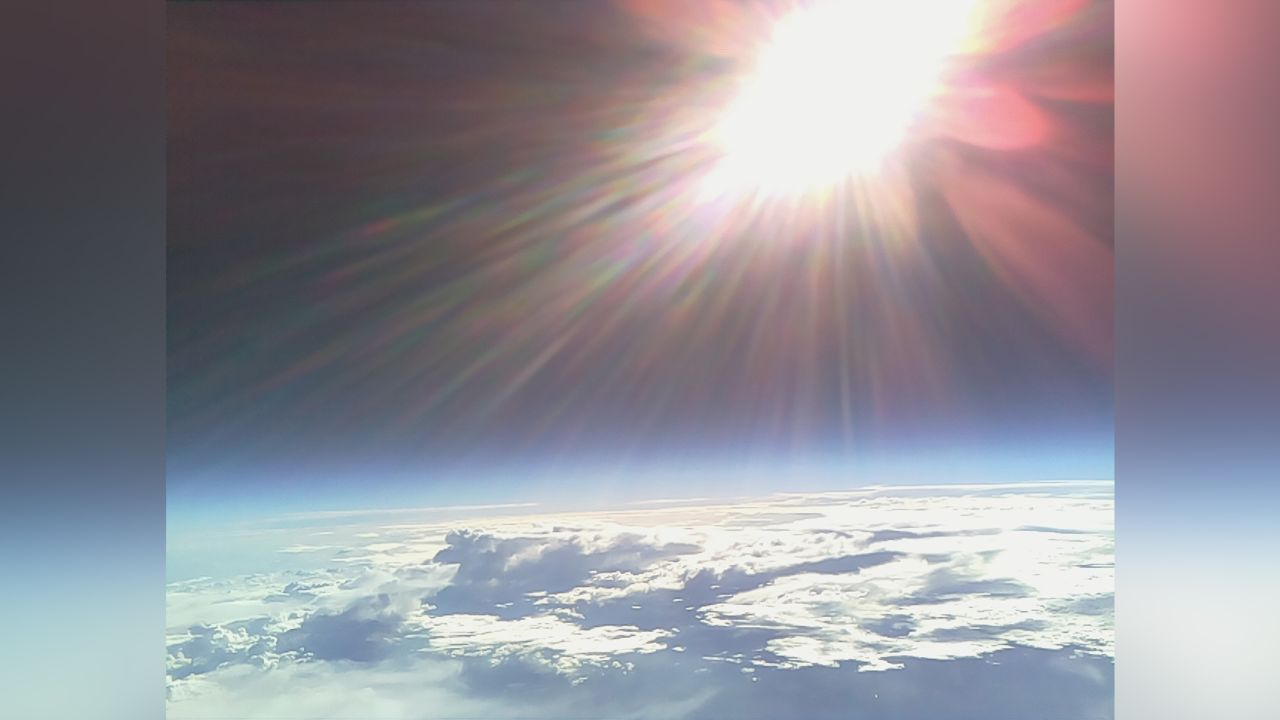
[(364, 632), (854, 596), (547, 639)]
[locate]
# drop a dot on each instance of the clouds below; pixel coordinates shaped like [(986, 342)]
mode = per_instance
[(942, 605)]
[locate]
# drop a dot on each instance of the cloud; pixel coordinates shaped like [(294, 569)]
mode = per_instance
[(304, 548), (548, 639), (345, 514), (364, 632), (423, 688), (499, 574), (205, 648), (859, 599)]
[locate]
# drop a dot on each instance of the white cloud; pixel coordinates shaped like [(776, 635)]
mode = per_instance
[(424, 688), (545, 638), (871, 580), (300, 548), (343, 514)]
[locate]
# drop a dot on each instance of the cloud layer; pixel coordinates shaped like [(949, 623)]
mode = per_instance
[(970, 602)]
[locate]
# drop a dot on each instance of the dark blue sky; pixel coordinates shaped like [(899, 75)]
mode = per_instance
[(429, 250)]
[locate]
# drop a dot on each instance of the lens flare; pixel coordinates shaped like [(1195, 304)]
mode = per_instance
[(837, 87), (526, 245)]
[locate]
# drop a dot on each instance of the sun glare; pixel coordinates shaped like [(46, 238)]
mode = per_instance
[(834, 91)]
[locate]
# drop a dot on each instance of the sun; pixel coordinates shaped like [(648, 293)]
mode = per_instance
[(834, 91)]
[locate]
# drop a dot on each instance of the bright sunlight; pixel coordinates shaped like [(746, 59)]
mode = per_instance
[(834, 91)]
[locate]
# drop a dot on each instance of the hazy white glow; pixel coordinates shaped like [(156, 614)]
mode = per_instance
[(835, 90)]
